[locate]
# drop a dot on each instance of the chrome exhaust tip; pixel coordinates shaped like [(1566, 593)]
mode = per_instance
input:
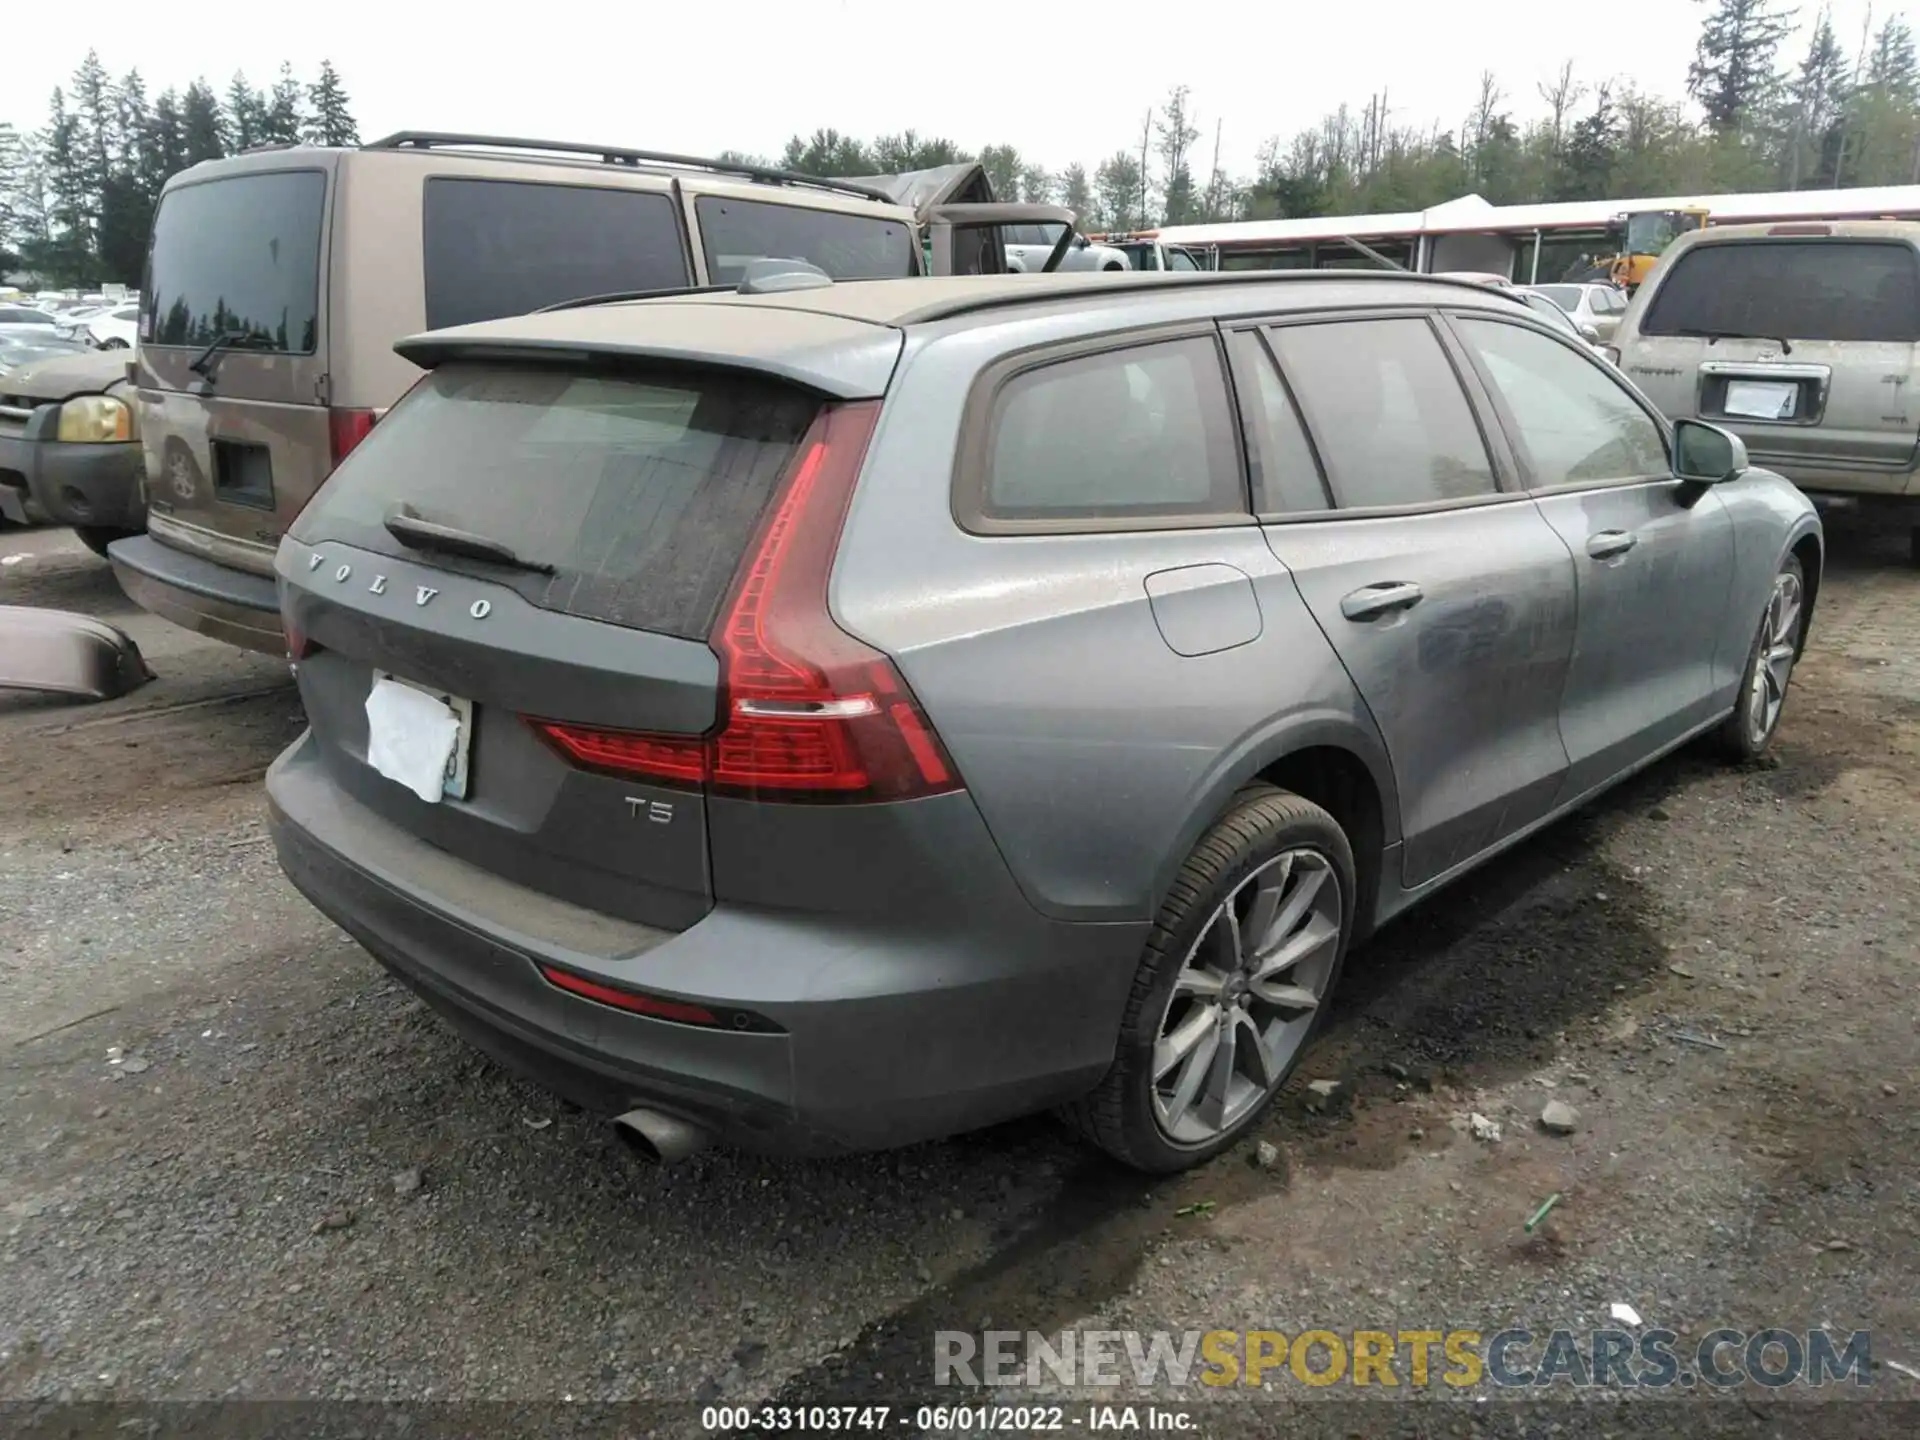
[(662, 1139)]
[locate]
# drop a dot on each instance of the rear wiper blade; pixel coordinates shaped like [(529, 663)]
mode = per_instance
[(203, 363), (1786, 345), (416, 533)]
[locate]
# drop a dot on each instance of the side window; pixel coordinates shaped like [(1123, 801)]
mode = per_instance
[(1573, 422), (1142, 433), (1286, 477), (1180, 260), (1386, 411), (505, 247)]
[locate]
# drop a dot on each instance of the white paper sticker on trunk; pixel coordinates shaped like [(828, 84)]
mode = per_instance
[(1761, 400), (410, 737)]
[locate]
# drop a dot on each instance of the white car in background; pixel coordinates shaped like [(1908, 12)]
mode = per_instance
[(1028, 247), (1600, 306), (115, 329)]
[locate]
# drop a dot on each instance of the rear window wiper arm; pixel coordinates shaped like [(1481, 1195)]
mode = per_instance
[(203, 363), (420, 534), (1710, 336)]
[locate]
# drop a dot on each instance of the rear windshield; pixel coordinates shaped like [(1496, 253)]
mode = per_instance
[(505, 247), (1567, 297), (847, 247), (239, 257), (1858, 290), (642, 491)]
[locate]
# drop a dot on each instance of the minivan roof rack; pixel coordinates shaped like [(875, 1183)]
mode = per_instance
[(618, 155)]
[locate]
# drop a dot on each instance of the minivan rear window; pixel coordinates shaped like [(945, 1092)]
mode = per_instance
[(1858, 290), (642, 490), (848, 247), (239, 256), (507, 247)]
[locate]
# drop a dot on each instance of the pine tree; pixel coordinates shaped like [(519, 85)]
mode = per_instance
[(1175, 134), (1591, 150), (330, 121), (1732, 74), (283, 121), (163, 148), (74, 190), (1817, 97), (202, 135), (1116, 188), (1891, 67), (1003, 166), (246, 115), (12, 175), (96, 115), (1076, 193)]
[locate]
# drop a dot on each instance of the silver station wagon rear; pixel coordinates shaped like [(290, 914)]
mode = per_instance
[(844, 716)]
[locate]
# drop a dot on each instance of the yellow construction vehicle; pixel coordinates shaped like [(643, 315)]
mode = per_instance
[(1645, 236)]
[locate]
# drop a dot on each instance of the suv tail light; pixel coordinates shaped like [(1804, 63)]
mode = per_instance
[(346, 429), (808, 712)]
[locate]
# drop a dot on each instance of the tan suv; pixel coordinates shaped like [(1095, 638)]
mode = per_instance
[(1801, 338), (279, 280)]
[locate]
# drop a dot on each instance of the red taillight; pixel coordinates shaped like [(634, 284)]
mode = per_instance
[(664, 758), (346, 429), (298, 645), (809, 712), (629, 999)]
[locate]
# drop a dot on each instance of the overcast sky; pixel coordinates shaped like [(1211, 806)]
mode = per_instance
[(1063, 81)]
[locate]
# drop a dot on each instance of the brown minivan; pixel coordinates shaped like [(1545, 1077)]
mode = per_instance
[(278, 281)]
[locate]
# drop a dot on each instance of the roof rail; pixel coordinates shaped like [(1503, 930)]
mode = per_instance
[(618, 155), (580, 302), (1079, 283)]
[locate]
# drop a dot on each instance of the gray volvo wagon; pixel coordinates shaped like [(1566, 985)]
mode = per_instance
[(848, 714)]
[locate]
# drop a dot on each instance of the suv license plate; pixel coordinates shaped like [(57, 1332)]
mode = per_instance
[(419, 737)]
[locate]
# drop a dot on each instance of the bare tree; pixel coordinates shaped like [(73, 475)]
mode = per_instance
[(1561, 96)]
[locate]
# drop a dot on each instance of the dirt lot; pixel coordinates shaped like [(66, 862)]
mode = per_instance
[(235, 1161)]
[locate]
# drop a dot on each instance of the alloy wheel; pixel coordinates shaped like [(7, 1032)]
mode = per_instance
[(1245, 997), (1779, 639)]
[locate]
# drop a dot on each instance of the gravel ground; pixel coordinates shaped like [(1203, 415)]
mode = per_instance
[(237, 1162)]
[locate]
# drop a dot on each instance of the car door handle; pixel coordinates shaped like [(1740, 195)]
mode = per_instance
[(1370, 602), (1605, 544)]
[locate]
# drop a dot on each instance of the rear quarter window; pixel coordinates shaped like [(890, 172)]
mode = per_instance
[(507, 247), (239, 256), (1846, 290), (642, 490), (1127, 437), (847, 246)]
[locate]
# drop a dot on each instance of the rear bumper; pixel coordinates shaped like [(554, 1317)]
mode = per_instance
[(889, 1035), (213, 599)]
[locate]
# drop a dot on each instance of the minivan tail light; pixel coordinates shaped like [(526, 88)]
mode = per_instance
[(807, 711), (346, 429)]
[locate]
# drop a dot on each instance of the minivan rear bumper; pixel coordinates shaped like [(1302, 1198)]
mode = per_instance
[(885, 1037), (199, 594)]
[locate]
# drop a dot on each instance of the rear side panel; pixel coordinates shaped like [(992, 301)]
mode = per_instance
[(1052, 664), (231, 456)]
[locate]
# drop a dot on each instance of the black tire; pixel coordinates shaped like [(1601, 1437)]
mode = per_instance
[(1263, 822), (1913, 545), (97, 537), (1747, 734), (116, 343)]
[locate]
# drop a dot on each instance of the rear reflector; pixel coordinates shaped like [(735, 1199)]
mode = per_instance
[(628, 999), (808, 712), (346, 429), (657, 1007)]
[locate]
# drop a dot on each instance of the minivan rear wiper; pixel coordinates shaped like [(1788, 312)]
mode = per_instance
[(203, 363), (418, 534), (1786, 345)]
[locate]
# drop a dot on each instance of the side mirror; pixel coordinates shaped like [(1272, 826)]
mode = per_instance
[(1080, 242), (1589, 333), (1707, 455)]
